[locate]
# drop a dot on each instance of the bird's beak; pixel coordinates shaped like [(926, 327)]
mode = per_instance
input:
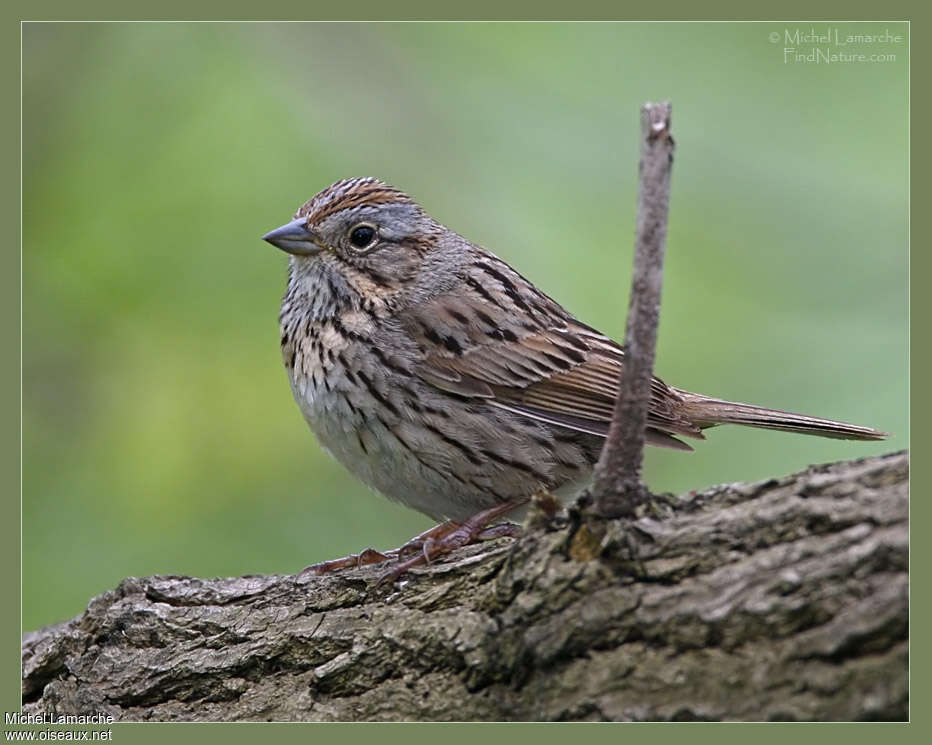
[(295, 238)]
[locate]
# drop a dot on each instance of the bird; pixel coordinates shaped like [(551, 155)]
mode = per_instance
[(445, 380)]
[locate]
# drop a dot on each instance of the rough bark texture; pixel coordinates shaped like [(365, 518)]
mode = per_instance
[(785, 599)]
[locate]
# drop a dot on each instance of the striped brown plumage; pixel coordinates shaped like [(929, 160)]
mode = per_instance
[(443, 378)]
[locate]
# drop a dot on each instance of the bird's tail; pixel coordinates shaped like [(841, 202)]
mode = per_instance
[(707, 412)]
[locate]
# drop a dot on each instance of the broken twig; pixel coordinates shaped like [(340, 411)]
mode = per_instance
[(617, 486)]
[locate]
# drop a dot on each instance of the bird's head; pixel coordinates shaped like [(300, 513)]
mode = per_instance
[(362, 226)]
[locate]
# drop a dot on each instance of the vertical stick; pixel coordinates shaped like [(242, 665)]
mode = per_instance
[(617, 486)]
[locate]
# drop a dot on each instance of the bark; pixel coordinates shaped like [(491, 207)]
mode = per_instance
[(785, 599)]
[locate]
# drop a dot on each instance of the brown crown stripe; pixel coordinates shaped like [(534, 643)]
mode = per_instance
[(350, 193)]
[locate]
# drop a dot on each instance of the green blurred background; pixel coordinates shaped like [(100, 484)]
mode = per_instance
[(160, 435)]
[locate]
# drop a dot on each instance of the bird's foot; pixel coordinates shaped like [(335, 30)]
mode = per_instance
[(436, 542), (371, 556), (363, 558), (427, 546)]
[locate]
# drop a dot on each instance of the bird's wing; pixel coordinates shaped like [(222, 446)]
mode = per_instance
[(499, 338)]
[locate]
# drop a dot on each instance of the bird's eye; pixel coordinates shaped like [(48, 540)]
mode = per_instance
[(362, 236)]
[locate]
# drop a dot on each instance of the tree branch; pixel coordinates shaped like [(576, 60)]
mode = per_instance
[(785, 599), (617, 486)]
